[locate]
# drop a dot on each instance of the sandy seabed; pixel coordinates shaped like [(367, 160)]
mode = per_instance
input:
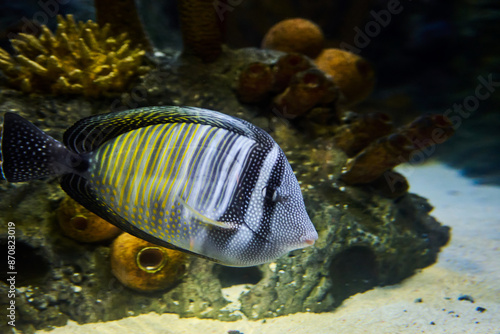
[(427, 302)]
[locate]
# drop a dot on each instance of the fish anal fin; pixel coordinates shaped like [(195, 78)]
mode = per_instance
[(79, 189)]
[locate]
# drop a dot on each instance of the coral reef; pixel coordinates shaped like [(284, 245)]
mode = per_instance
[(143, 266), (295, 35), (80, 58), (201, 33), (80, 224), (388, 238), (402, 146), (323, 276), (352, 74), (122, 16)]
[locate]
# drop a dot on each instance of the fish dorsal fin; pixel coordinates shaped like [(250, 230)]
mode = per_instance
[(204, 219), (78, 188), (89, 133)]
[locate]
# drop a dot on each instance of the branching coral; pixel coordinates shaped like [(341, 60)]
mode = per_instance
[(80, 58)]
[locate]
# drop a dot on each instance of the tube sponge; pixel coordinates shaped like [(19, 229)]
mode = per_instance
[(306, 90), (255, 82)]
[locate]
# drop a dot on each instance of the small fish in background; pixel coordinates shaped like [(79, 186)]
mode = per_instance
[(186, 178)]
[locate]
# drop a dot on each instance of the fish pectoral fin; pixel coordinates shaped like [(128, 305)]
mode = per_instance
[(204, 219)]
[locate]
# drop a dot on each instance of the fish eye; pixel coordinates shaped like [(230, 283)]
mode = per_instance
[(273, 194), (268, 193)]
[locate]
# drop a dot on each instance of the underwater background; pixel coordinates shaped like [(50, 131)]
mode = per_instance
[(382, 84)]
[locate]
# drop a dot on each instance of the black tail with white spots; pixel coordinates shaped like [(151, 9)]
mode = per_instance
[(28, 153)]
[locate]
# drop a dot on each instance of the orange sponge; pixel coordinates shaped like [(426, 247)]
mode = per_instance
[(143, 266), (353, 74), (80, 224), (295, 35)]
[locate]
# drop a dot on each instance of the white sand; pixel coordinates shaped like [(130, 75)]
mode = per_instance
[(469, 265)]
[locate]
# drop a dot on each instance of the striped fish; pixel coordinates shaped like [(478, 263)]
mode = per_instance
[(186, 178)]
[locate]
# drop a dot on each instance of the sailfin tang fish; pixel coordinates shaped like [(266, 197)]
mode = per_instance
[(186, 178)]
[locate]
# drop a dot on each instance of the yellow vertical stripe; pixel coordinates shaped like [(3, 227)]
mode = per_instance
[(134, 146), (169, 177), (168, 161), (158, 134), (117, 154), (159, 163), (104, 171), (138, 163)]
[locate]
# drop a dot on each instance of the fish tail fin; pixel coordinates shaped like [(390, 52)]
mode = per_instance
[(28, 153)]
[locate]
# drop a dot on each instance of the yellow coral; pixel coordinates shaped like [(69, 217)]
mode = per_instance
[(80, 58)]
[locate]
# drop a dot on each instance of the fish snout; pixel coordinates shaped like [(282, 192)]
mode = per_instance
[(310, 242), (309, 238)]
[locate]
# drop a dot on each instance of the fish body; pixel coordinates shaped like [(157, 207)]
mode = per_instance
[(185, 178)]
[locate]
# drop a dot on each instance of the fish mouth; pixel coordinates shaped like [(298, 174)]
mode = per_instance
[(309, 242), (309, 239)]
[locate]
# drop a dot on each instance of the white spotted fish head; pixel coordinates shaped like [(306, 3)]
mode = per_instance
[(290, 224), (276, 221)]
